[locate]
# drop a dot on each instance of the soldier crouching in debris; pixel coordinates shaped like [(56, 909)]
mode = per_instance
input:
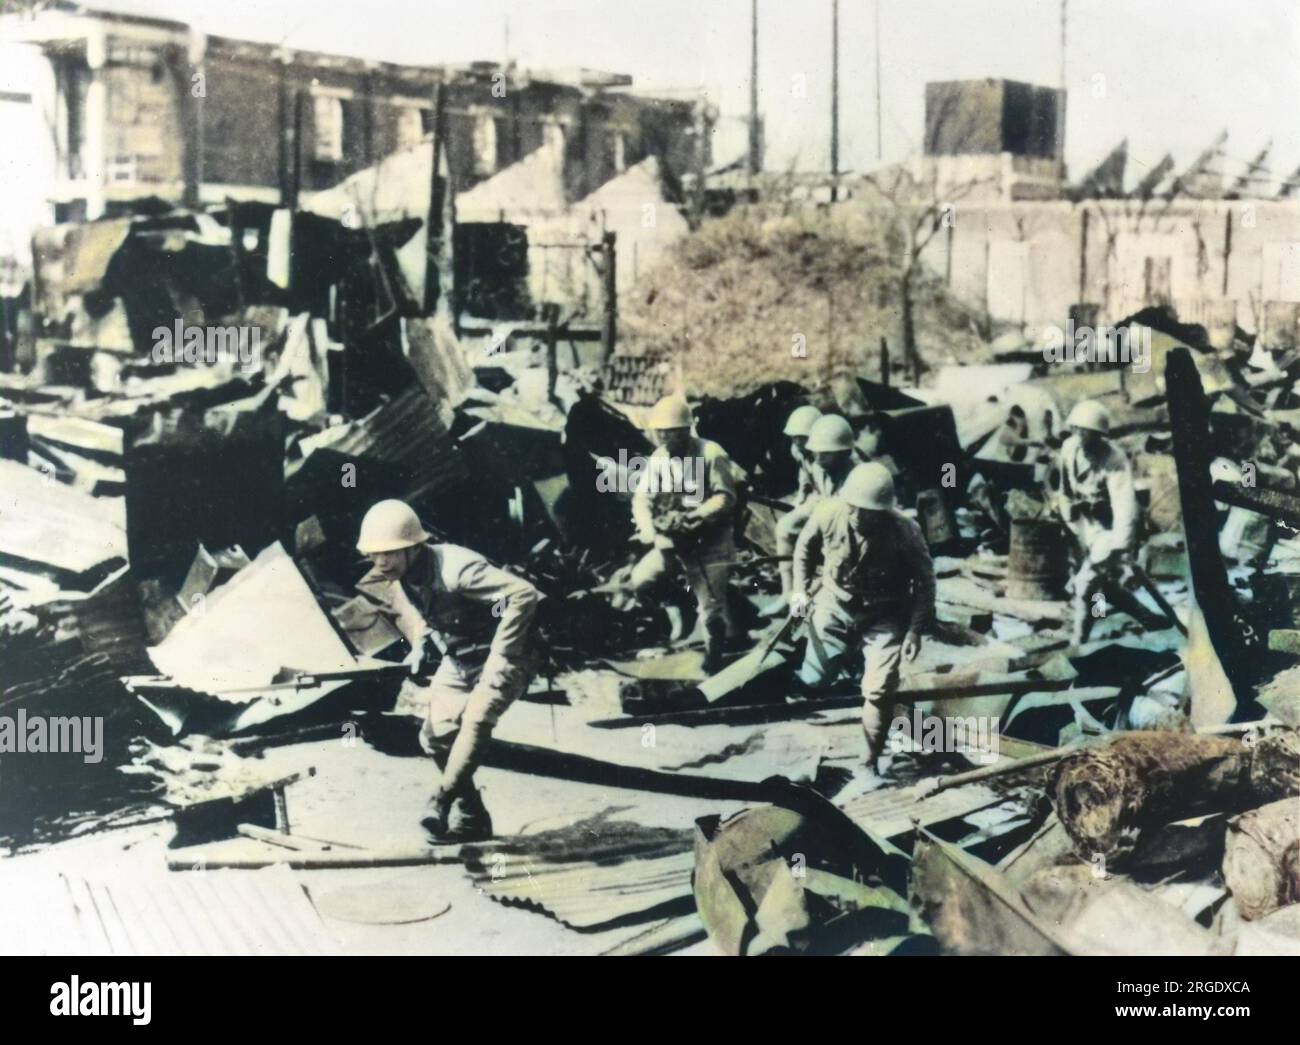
[(473, 619), (684, 506), (1099, 504), (876, 587)]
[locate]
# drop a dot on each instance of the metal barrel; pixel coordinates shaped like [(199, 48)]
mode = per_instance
[(1039, 563)]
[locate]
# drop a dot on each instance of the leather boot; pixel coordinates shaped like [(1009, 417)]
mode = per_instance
[(468, 820), (715, 644)]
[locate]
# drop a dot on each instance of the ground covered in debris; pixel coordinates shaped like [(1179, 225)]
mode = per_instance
[(177, 590)]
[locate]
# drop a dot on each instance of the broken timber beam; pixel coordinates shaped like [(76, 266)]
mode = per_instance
[(1276, 504), (195, 859), (539, 761), (1189, 423), (1042, 758), (750, 714)]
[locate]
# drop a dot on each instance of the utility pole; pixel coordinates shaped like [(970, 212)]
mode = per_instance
[(1064, 9), (1060, 115), (755, 130), (835, 99), (880, 155)]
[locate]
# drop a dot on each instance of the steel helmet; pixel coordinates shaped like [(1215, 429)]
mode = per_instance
[(670, 412), (801, 420), (388, 526), (830, 433), (1091, 415), (869, 486)]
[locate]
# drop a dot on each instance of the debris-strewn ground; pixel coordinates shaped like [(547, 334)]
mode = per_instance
[(177, 559)]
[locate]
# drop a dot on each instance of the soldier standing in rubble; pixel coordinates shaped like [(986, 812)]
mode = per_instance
[(684, 507), (1099, 504), (876, 587), (830, 447), (472, 620), (798, 427)]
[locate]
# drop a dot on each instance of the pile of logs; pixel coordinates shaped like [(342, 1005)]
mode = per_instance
[(1107, 796)]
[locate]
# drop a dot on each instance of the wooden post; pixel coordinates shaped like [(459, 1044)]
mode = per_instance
[(295, 155), (286, 135), (438, 275), (755, 127), (701, 132), (1227, 248), (552, 313), (1189, 423), (1083, 256), (609, 277), (368, 111), (236, 248), (884, 362), (835, 99), (185, 64)]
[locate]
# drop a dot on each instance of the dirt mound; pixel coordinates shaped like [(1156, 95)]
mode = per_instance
[(760, 296)]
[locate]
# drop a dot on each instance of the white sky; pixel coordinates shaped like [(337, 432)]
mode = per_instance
[(1166, 74)]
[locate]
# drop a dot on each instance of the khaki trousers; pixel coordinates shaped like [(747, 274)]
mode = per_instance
[(832, 631)]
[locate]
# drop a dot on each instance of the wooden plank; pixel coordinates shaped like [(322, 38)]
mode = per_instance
[(748, 714), (965, 592), (296, 842), (891, 812), (79, 433), (209, 858)]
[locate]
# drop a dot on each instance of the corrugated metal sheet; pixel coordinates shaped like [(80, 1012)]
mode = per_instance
[(891, 811), (588, 896), (407, 435), (192, 913)]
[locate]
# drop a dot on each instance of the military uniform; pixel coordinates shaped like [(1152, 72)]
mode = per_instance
[(699, 487), (1098, 502), (807, 484), (479, 616), (821, 484), (876, 584)]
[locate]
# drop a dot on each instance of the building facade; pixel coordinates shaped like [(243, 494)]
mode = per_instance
[(129, 108)]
